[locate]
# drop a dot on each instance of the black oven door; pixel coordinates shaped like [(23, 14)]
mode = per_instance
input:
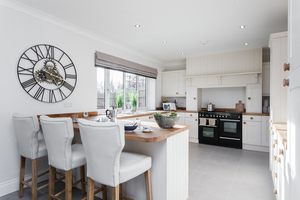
[(208, 134), (230, 133)]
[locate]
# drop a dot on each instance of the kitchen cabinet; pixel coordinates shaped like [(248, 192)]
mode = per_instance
[(265, 131), (193, 99), (181, 119), (278, 94), (174, 83), (254, 98), (191, 119), (266, 79)]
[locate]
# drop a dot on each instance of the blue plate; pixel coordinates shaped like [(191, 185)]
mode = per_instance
[(130, 127)]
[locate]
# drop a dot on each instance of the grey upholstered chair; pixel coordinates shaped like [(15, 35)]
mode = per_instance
[(59, 133), (106, 163), (27, 129)]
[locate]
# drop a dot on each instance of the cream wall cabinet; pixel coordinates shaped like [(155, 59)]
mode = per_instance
[(254, 98), (174, 83), (193, 99)]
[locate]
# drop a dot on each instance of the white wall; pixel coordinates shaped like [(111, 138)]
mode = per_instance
[(223, 97), (22, 28)]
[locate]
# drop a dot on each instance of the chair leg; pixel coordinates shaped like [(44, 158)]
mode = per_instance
[(148, 184), (22, 174), (91, 187), (68, 185), (34, 175), (82, 178), (104, 192), (120, 191), (115, 193), (51, 181)]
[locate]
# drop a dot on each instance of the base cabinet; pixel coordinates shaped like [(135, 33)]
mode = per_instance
[(191, 119)]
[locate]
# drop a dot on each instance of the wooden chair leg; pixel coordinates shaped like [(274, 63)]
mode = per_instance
[(120, 191), (148, 184), (34, 174), (82, 178), (22, 174), (91, 187), (51, 181), (68, 185), (115, 193), (104, 192)]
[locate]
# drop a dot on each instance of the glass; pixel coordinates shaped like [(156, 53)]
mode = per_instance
[(130, 87), (100, 88), (75, 118), (230, 127), (208, 132), (142, 91), (115, 86)]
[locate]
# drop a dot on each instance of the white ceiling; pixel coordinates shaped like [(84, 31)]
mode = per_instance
[(184, 24)]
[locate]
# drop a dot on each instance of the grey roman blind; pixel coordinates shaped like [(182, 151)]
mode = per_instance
[(115, 63)]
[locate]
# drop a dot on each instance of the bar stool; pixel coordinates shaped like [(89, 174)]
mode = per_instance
[(27, 129), (58, 133), (106, 163)]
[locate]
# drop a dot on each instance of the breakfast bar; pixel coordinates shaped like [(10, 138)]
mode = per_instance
[(169, 151)]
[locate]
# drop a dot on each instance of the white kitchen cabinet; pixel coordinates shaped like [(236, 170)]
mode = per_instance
[(254, 98), (193, 99), (191, 119), (252, 130), (266, 79), (181, 119), (265, 131), (278, 94), (174, 83)]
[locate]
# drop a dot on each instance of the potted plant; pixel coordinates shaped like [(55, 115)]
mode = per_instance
[(133, 98)]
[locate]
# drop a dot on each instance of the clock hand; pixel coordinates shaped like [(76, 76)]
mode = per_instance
[(54, 75)]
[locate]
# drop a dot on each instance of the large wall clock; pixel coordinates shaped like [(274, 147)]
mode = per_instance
[(47, 73)]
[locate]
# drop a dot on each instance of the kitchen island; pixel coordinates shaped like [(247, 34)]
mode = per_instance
[(169, 149)]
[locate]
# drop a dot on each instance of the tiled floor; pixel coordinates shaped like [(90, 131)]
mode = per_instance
[(219, 173), (216, 173)]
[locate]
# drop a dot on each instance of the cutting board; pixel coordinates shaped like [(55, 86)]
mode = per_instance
[(239, 107)]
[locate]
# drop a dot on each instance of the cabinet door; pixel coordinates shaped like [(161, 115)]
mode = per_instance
[(181, 83), (193, 123), (265, 131), (252, 132), (170, 84), (192, 99), (181, 119), (254, 98)]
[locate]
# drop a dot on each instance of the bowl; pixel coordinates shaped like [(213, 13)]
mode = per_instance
[(166, 122), (130, 127)]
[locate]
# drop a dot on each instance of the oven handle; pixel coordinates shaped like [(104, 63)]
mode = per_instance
[(229, 138), (230, 120), (208, 126)]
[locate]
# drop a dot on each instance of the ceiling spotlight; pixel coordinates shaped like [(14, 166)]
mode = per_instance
[(246, 44), (243, 26), (137, 26), (165, 42), (182, 53)]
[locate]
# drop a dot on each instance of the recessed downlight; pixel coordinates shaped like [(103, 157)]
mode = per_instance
[(137, 26), (165, 42), (242, 27), (182, 53), (246, 44)]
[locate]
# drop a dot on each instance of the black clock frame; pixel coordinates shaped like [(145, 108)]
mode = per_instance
[(32, 82)]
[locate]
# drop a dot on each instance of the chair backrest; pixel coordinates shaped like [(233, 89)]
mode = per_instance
[(103, 144), (27, 128), (58, 134)]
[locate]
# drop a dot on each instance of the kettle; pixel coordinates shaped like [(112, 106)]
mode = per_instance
[(111, 114), (210, 107)]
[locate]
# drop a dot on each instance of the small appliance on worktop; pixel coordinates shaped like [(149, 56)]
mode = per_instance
[(221, 128)]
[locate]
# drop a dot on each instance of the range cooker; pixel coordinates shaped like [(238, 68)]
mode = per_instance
[(221, 128)]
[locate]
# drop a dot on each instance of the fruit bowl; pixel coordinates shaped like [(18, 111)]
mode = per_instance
[(166, 121)]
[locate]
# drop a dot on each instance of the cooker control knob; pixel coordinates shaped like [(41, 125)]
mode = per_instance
[(226, 116)]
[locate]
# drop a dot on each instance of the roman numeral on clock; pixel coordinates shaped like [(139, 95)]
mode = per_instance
[(28, 83), (68, 86), (25, 57), (52, 96), (24, 71), (50, 51), (37, 50), (39, 93), (72, 76), (69, 65)]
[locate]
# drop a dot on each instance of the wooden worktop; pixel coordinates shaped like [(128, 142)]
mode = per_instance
[(156, 135), (257, 114)]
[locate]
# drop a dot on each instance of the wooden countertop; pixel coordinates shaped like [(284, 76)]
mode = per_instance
[(257, 114), (156, 135)]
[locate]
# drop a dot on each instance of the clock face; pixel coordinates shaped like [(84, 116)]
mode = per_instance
[(47, 73)]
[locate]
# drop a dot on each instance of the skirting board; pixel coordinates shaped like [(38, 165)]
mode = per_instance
[(255, 148), (193, 140), (13, 185)]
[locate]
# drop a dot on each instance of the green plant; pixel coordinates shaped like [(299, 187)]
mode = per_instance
[(133, 98), (173, 114), (119, 99), (157, 114)]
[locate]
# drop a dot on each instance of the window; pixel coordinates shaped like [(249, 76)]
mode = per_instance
[(115, 88)]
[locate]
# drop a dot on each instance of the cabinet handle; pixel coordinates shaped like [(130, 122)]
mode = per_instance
[(184, 92), (286, 67), (275, 141), (271, 128), (150, 117), (286, 82), (275, 175), (278, 159), (194, 98), (270, 121), (251, 118), (275, 191), (137, 118), (244, 122), (191, 115), (272, 132), (176, 92), (275, 158), (273, 145), (196, 120), (280, 151), (249, 98)]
